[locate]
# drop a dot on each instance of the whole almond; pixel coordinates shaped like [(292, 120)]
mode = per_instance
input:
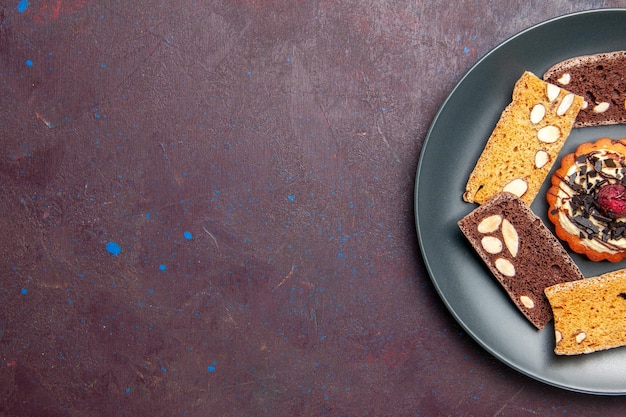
[(490, 224), (517, 186), (527, 301), (565, 79), (552, 92), (491, 244), (601, 107), (565, 105), (511, 239), (537, 113), (505, 267), (549, 134), (541, 158)]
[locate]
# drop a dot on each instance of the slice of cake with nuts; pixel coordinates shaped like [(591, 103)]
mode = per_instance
[(520, 251), (525, 143), (589, 314), (599, 79)]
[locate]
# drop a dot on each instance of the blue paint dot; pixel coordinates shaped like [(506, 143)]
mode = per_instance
[(127, 390), (288, 59), (210, 368), (162, 267), (29, 62), (24, 291), (188, 235), (22, 6), (114, 248), (291, 197), (148, 215), (466, 50)]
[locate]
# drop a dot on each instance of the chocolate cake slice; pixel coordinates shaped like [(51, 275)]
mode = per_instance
[(523, 255), (599, 79)]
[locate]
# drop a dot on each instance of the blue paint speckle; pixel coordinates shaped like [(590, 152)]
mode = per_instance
[(148, 215), (24, 291), (188, 235), (211, 368), (466, 50), (288, 59), (29, 62), (22, 6), (127, 390), (114, 248), (162, 267), (291, 197)]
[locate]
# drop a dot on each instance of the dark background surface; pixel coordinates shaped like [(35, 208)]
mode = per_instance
[(207, 210)]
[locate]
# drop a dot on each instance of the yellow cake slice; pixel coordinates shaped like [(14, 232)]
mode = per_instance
[(589, 314), (525, 142)]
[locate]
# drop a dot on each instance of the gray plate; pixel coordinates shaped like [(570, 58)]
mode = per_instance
[(455, 140)]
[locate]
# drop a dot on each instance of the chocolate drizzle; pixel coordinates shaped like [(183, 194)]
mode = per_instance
[(594, 171)]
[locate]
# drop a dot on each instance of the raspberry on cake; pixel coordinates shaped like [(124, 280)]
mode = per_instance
[(587, 200)]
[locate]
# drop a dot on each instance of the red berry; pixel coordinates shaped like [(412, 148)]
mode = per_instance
[(612, 200)]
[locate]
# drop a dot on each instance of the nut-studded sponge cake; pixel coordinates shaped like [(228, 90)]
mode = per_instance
[(599, 79), (521, 252), (589, 314), (525, 142)]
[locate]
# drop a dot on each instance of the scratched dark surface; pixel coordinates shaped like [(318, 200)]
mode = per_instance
[(207, 210)]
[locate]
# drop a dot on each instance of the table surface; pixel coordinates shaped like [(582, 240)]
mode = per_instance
[(207, 209)]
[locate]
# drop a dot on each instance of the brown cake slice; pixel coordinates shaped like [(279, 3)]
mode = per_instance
[(525, 142), (599, 79), (590, 314), (521, 252)]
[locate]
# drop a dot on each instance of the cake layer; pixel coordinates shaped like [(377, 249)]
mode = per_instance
[(589, 314), (599, 79), (525, 143), (521, 253)]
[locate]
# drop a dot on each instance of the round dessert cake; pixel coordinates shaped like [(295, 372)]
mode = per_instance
[(587, 200)]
